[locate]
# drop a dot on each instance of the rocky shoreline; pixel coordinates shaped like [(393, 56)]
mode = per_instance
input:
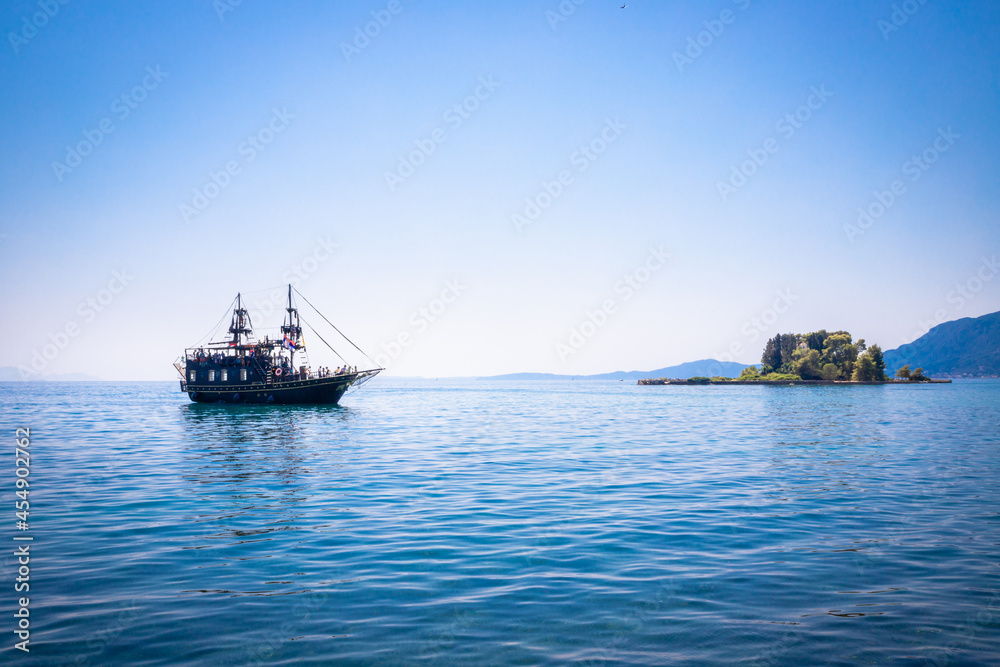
[(694, 382)]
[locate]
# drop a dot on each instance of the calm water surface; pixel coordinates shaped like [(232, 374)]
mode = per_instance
[(477, 522)]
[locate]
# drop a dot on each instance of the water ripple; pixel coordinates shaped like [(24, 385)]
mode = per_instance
[(507, 523)]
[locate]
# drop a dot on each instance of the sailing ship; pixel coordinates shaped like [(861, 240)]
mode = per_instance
[(245, 369)]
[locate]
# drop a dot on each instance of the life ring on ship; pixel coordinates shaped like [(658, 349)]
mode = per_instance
[(277, 372)]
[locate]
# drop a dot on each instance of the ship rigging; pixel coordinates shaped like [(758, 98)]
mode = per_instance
[(246, 369)]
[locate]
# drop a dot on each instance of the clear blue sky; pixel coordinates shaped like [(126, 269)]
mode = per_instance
[(664, 121)]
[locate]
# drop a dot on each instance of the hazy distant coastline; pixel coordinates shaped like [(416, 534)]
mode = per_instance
[(14, 374), (686, 370), (964, 348)]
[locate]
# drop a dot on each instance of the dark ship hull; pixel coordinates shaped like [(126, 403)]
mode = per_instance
[(317, 391)]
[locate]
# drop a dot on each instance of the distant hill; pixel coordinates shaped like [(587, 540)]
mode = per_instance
[(969, 347), (705, 367), (12, 374)]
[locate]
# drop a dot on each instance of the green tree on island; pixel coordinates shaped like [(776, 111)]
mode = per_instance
[(816, 340), (865, 371), (916, 375), (841, 352), (806, 364), (876, 354), (821, 355), (778, 353)]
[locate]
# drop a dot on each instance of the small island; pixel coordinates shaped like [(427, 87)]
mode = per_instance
[(816, 358)]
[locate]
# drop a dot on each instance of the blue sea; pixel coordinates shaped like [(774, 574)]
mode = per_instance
[(503, 523)]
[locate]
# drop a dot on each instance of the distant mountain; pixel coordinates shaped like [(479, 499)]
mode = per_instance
[(705, 367), (969, 347), (12, 374), (72, 377)]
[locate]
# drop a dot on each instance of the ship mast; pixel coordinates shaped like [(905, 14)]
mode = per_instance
[(240, 325), (292, 329)]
